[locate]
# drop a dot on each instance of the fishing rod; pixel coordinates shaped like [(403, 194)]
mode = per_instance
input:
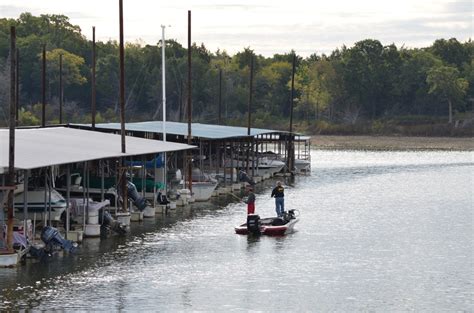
[(230, 193)]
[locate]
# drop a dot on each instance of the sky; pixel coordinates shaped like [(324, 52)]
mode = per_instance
[(266, 26)]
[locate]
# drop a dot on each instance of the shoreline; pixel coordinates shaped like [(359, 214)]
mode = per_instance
[(391, 143)]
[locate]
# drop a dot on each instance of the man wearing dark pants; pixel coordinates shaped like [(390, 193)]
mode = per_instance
[(278, 193)]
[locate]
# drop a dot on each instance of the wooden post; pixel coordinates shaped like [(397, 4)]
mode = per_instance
[(122, 110), (291, 147), (224, 163), (93, 113), (43, 89), (249, 122), (189, 161), (11, 151), (17, 86), (231, 162), (219, 115), (68, 197), (60, 88)]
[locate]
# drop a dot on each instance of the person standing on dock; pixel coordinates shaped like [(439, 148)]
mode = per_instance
[(250, 202), (278, 193)]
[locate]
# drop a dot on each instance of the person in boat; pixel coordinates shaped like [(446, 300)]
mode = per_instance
[(161, 198), (243, 177), (278, 193), (250, 201)]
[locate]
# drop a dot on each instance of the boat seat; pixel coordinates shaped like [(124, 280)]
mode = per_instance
[(278, 222)]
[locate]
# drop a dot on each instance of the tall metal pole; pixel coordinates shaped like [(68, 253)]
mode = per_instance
[(163, 78), (249, 122), (190, 170), (11, 152), (122, 107), (60, 88), (93, 113), (43, 89), (291, 150), (219, 116), (17, 86)]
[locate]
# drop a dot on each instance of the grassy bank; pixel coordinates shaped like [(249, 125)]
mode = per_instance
[(391, 143)]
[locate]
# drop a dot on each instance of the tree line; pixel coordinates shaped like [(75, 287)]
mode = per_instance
[(362, 88)]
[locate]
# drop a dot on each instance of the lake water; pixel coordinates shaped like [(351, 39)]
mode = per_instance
[(378, 231)]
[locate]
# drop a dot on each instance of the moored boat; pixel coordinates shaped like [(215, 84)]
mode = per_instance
[(37, 207), (271, 226), (302, 166), (202, 191), (263, 165), (203, 185)]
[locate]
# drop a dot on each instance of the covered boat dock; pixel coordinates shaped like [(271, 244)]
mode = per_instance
[(44, 150), (218, 145)]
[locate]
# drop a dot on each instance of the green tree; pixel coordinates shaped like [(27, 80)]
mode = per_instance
[(71, 67), (412, 87), (363, 70), (445, 82), (313, 81), (451, 52), (271, 89)]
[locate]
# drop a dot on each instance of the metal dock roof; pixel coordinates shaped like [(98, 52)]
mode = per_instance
[(198, 130), (40, 147)]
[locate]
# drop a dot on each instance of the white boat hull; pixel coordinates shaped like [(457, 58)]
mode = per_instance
[(202, 191), (265, 166), (302, 165), (10, 259), (38, 208)]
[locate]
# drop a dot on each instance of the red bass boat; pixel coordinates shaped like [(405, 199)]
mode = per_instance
[(271, 226)]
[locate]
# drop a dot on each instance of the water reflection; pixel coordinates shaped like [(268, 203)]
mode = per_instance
[(375, 226), (252, 241)]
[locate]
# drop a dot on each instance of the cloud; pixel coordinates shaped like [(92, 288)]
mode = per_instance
[(459, 7), (274, 27), (306, 39), (12, 11), (78, 15), (234, 6)]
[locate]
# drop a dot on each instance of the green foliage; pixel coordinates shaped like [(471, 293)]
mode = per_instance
[(377, 126), (71, 67), (445, 82), (26, 118), (451, 51), (366, 88)]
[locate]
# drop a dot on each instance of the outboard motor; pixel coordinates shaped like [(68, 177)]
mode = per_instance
[(137, 199), (253, 224), (108, 222), (52, 238), (289, 215), (162, 199)]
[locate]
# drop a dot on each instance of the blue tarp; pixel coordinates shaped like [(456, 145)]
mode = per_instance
[(158, 160)]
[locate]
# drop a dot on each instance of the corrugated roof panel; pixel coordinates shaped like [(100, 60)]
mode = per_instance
[(40, 147), (199, 130)]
